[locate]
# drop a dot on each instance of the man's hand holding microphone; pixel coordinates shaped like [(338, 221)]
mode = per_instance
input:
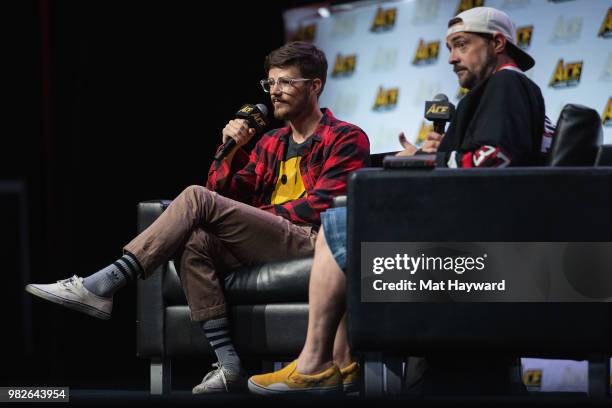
[(250, 119)]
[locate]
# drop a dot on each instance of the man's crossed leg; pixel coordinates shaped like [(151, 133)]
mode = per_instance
[(207, 234)]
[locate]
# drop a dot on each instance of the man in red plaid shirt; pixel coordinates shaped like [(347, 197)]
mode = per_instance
[(255, 208)]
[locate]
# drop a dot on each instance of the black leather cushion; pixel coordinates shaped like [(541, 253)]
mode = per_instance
[(604, 156), (275, 282), (149, 304), (275, 331), (148, 211), (577, 137), (172, 289)]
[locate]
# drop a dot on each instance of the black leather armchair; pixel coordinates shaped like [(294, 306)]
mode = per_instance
[(577, 139), (269, 312)]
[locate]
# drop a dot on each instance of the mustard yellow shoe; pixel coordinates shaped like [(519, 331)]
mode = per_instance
[(289, 381), (350, 378)]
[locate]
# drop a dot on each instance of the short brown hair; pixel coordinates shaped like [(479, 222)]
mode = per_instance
[(310, 60)]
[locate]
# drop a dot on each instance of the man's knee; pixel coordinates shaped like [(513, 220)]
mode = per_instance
[(198, 194), (196, 190), (321, 243)]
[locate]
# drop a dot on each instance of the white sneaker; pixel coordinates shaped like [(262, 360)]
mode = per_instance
[(72, 294), (221, 380)]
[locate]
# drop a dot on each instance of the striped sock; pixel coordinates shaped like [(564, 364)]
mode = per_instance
[(109, 280), (217, 333)]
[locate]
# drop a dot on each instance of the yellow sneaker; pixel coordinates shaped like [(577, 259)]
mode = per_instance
[(350, 377), (289, 381)]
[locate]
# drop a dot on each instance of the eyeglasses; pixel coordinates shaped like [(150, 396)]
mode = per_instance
[(283, 83)]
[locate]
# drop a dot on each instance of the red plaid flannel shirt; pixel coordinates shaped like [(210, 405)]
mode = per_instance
[(337, 149)]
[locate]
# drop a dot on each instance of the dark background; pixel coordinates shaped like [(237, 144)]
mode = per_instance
[(108, 104)]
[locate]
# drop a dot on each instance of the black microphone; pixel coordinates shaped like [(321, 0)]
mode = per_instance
[(439, 111), (256, 115)]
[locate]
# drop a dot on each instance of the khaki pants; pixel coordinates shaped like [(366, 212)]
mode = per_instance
[(208, 234)]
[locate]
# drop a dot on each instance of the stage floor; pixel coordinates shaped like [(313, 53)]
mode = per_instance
[(109, 398)]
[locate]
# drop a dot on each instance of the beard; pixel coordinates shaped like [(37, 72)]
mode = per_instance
[(287, 111), (471, 78)]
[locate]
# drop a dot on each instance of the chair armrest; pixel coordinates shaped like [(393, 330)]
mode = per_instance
[(149, 298), (604, 156), (340, 201)]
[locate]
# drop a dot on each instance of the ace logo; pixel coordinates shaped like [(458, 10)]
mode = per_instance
[(607, 114), (425, 11), (426, 53), (532, 379), (566, 30), (384, 20), (468, 4), (305, 33), (386, 99), (385, 59), (566, 75), (344, 66), (523, 36), (606, 27)]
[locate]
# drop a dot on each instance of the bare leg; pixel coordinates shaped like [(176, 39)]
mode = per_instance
[(327, 293), (342, 351)]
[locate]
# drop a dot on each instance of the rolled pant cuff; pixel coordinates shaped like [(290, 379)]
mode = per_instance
[(213, 312), (145, 272)]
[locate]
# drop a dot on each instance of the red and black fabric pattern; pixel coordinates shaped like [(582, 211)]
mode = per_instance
[(484, 156), (337, 148)]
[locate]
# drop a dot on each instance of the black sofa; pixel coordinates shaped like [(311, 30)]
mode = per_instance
[(547, 204), (504, 205)]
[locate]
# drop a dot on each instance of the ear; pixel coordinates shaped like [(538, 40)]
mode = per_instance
[(499, 43), (317, 84)]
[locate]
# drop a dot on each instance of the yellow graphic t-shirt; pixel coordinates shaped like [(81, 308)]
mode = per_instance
[(290, 185)]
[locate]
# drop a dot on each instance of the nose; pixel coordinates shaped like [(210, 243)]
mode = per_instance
[(275, 89), (452, 58)]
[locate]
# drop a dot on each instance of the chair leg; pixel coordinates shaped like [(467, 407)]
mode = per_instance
[(373, 375), (413, 373), (392, 374), (599, 377), (161, 376), (382, 374)]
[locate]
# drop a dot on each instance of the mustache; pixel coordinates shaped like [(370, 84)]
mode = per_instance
[(458, 68)]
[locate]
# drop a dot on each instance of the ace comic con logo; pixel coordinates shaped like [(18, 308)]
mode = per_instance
[(384, 20), (344, 66), (468, 4), (523, 37), (305, 33), (607, 114), (386, 99), (566, 75), (567, 30), (426, 53), (606, 27)]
